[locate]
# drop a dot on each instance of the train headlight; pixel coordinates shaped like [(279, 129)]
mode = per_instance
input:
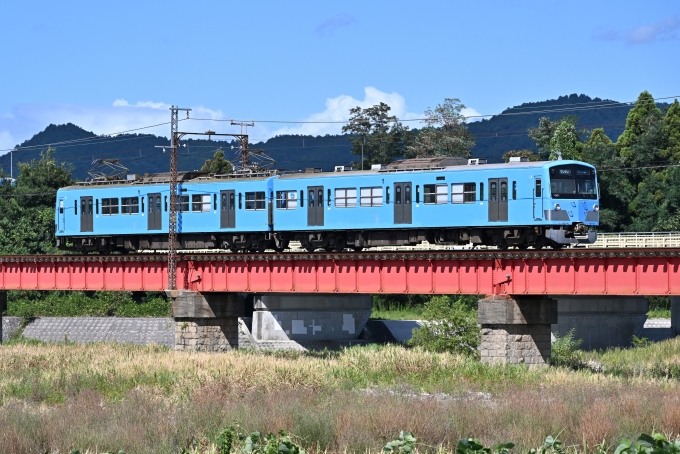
[(558, 207), (596, 207)]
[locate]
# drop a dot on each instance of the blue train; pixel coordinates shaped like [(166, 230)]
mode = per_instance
[(449, 201)]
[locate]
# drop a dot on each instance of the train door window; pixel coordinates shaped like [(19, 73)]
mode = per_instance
[(481, 192), (407, 194), (397, 195), (320, 199), (232, 201), (417, 194), (514, 190), (310, 204), (96, 206), (504, 191), (387, 195), (110, 206), (129, 205), (346, 198), (493, 192), (371, 197), (328, 198), (538, 187), (302, 199), (215, 202), (75, 208), (183, 203)]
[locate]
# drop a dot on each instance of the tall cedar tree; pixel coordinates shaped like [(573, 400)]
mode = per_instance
[(217, 165)]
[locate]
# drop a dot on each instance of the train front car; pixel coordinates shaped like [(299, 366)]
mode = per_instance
[(570, 205)]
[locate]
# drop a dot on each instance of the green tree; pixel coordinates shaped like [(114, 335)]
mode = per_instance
[(565, 142), (379, 134), (445, 133), (217, 165), (671, 129), (640, 118), (27, 210)]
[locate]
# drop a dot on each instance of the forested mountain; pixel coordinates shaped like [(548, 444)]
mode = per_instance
[(138, 152)]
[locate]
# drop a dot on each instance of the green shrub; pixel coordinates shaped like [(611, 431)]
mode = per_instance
[(565, 351), (448, 326)]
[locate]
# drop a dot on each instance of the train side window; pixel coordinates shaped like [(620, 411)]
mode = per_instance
[(286, 200), (538, 187), (435, 194), (255, 200), (96, 206), (239, 201), (387, 195), (328, 198), (417, 194), (110, 206), (371, 197), (481, 192), (514, 190), (493, 192), (183, 201), (504, 191), (463, 192), (215, 202), (75, 202), (142, 204), (302, 199), (129, 205), (61, 207), (166, 203), (345, 198), (200, 203)]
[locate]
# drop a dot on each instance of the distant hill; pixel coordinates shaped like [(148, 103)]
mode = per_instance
[(138, 152)]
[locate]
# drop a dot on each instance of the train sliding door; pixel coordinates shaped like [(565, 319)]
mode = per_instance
[(86, 221), (227, 209), (402, 203), (498, 200), (315, 207), (154, 214)]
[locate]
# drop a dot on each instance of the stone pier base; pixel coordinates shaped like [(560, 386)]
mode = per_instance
[(516, 330), (206, 334), (206, 322)]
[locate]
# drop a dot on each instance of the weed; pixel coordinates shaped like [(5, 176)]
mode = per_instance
[(565, 351)]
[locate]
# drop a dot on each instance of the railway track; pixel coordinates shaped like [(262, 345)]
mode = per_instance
[(466, 254)]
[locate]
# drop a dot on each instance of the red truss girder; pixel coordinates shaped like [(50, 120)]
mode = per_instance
[(555, 275)]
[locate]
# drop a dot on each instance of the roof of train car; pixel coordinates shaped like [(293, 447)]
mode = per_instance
[(161, 178)]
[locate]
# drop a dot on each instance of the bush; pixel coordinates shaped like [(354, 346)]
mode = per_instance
[(565, 351), (448, 326)]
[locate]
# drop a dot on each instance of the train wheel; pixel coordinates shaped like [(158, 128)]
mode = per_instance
[(358, 248), (310, 249)]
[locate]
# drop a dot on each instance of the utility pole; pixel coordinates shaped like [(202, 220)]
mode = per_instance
[(172, 224), (243, 139)]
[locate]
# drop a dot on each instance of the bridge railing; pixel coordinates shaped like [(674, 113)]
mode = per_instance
[(637, 240)]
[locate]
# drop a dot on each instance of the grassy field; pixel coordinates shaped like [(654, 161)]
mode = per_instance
[(105, 397)]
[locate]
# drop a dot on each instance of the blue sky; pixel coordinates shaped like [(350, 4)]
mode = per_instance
[(112, 66)]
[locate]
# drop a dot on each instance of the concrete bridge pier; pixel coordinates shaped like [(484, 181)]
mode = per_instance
[(206, 321), (516, 329)]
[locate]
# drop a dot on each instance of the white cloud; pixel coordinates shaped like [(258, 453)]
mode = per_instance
[(337, 110), (663, 30)]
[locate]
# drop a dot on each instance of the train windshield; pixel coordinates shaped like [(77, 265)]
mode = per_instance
[(573, 181)]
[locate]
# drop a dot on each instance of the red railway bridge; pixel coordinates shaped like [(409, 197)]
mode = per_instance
[(294, 289), (646, 272)]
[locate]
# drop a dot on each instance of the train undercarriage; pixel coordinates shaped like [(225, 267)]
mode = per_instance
[(535, 237)]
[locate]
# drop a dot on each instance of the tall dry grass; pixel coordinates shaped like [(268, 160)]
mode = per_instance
[(150, 400)]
